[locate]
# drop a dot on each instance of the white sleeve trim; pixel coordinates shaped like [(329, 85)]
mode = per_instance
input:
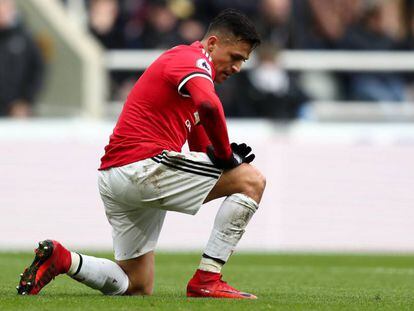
[(190, 77)]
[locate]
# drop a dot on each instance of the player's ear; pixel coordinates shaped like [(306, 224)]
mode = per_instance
[(211, 43)]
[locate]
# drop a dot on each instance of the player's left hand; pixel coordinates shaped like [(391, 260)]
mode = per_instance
[(225, 164), (240, 154), (243, 151)]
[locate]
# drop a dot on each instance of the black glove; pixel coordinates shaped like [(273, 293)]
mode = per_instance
[(240, 155), (242, 150)]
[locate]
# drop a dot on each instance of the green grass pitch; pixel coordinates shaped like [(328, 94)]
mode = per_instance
[(281, 281)]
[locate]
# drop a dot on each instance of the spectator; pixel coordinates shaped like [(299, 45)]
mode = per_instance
[(206, 9), (21, 65), (105, 23), (160, 29), (409, 23), (274, 22), (190, 30), (379, 28), (135, 12), (266, 91), (319, 24), (408, 9)]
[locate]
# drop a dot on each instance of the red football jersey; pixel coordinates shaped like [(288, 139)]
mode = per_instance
[(157, 114)]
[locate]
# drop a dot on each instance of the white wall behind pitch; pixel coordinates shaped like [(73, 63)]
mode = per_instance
[(329, 187)]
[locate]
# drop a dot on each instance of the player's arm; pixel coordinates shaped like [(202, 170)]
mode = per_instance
[(198, 139), (211, 115), (213, 128)]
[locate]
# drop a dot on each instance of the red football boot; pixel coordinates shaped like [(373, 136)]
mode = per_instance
[(209, 284), (51, 259)]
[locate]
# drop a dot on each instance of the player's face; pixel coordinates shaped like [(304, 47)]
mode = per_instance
[(228, 57)]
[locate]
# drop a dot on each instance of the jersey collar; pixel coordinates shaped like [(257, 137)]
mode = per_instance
[(199, 45)]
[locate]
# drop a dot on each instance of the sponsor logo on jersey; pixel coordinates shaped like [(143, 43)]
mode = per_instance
[(203, 64), (188, 125)]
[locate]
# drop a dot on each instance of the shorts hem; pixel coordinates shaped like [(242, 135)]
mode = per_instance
[(134, 255)]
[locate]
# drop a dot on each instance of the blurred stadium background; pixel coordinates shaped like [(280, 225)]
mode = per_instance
[(326, 103)]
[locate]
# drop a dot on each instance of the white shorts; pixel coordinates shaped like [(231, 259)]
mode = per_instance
[(136, 196)]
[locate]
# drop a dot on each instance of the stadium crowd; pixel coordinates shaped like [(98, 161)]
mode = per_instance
[(268, 90), (292, 24)]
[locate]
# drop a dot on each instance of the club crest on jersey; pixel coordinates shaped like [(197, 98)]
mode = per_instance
[(196, 118), (203, 64)]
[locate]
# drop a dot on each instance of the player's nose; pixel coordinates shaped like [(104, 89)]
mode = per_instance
[(236, 68)]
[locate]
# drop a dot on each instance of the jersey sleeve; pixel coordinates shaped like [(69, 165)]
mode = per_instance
[(198, 139), (186, 65), (211, 115)]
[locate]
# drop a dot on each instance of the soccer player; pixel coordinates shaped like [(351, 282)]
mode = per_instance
[(143, 173)]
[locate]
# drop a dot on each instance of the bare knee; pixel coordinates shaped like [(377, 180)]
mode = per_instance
[(248, 180), (139, 290), (244, 179), (254, 184)]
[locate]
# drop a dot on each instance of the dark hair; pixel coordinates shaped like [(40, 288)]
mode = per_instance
[(236, 23)]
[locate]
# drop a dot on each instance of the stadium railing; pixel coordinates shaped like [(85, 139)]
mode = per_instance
[(308, 61), (290, 60)]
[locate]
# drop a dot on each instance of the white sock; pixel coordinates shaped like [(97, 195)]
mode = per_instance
[(207, 264), (75, 263), (229, 225), (99, 273)]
